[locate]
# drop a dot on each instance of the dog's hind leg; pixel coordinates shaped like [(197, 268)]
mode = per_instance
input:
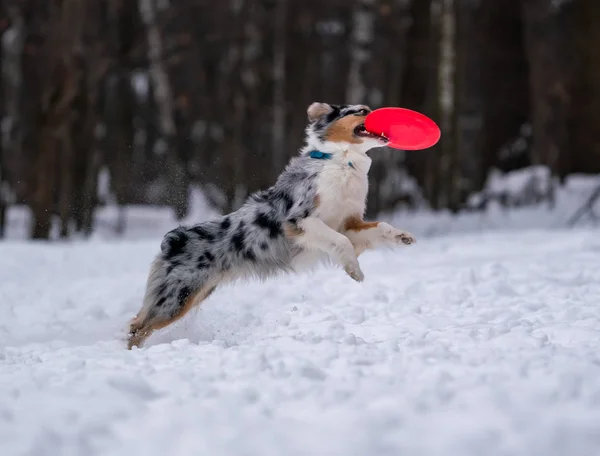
[(162, 309)]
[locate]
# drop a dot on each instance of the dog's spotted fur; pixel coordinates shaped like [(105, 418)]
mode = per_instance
[(313, 212)]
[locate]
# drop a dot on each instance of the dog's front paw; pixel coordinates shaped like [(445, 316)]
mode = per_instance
[(354, 271), (404, 238), (396, 236)]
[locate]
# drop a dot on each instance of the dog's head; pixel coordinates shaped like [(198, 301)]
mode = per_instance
[(341, 126)]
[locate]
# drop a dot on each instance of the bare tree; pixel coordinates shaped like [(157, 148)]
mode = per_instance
[(95, 62), (547, 41), (4, 24), (584, 153), (51, 77), (279, 86)]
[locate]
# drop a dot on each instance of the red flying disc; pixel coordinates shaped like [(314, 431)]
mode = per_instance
[(405, 129)]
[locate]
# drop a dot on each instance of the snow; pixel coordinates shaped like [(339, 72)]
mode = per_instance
[(482, 339), (519, 189), (467, 344)]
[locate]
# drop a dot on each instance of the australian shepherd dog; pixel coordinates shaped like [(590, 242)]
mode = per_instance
[(313, 212)]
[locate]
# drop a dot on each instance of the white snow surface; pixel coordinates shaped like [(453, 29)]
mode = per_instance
[(472, 344)]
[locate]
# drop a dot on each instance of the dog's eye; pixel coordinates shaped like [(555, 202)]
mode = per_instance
[(363, 112)]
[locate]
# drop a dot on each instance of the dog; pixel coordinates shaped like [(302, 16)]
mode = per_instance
[(313, 212)]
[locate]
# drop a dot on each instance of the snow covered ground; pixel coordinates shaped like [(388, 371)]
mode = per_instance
[(472, 344)]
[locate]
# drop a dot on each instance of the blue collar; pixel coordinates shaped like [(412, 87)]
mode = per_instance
[(320, 155)]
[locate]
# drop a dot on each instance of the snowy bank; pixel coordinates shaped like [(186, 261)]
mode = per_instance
[(471, 344)]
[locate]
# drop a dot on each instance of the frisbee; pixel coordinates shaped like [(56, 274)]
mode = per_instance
[(405, 129)]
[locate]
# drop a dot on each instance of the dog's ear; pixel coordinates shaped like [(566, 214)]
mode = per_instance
[(316, 110)]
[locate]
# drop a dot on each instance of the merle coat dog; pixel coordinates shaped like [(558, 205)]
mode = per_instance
[(313, 212)]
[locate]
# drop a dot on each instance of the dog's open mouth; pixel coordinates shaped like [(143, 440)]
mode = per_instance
[(362, 132)]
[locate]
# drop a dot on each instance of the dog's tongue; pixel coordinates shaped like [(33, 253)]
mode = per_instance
[(405, 129)]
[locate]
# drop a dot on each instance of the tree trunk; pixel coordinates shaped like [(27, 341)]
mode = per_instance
[(279, 86), (45, 180), (4, 21), (468, 172), (418, 89), (13, 162), (3, 195), (546, 44), (585, 149), (50, 77), (506, 99), (363, 22), (177, 175), (448, 173), (387, 23)]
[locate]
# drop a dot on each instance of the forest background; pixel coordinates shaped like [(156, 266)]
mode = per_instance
[(138, 102)]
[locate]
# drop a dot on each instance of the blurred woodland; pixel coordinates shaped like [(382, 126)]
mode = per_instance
[(154, 97)]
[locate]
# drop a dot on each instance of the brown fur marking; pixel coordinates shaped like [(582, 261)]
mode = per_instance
[(343, 130), (356, 223), (317, 201), (291, 230)]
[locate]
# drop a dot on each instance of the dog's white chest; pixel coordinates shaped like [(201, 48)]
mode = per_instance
[(342, 189)]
